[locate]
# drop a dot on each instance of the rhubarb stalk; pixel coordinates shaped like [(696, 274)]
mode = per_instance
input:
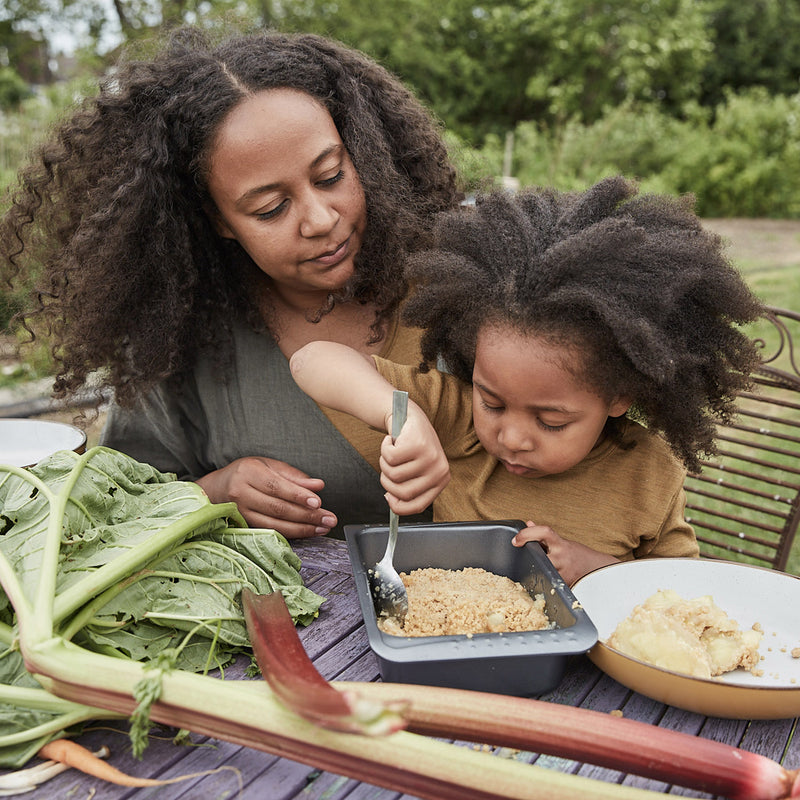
[(297, 682), (249, 713), (527, 724), (592, 736)]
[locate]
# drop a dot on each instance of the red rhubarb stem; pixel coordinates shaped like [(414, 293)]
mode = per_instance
[(523, 723), (591, 736), (295, 680)]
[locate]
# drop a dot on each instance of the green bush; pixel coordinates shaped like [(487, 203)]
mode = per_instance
[(748, 164), (741, 162), (13, 89)]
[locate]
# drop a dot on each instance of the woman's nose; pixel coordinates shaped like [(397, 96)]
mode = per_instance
[(318, 217)]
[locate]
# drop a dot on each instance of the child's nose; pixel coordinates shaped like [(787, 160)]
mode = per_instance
[(516, 437)]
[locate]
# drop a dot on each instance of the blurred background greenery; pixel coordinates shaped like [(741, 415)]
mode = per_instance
[(686, 95), (699, 96)]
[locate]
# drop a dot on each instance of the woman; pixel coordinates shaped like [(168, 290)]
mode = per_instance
[(212, 210)]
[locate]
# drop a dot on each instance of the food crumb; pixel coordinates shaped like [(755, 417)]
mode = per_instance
[(757, 626), (616, 712), (576, 604), (796, 652), (759, 673)]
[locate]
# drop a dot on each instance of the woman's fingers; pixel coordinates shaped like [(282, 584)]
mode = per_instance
[(271, 494)]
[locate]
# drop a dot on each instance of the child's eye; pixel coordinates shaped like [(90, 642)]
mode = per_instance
[(487, 407), (547, 427), (335, 179)]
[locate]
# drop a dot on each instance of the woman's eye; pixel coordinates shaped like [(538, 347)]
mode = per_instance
[(335, 179), (273, 212)]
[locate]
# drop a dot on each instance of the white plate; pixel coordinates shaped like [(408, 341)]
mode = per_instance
[(747, 594), (24, 442)]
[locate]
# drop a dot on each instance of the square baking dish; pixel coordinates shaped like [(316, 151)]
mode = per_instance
[(522, 664)]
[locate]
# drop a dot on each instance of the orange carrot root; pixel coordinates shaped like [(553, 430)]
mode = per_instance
[(74, 755)]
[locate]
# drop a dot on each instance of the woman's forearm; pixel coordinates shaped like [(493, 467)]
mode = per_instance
[(340, 377)]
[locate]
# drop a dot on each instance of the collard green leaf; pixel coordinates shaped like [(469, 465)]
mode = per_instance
[(144, 567)]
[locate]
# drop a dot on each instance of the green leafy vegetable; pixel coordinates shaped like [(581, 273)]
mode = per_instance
[(121, 559)]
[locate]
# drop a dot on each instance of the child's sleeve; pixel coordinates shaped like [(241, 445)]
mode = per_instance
[(676, 539), (445, 400)]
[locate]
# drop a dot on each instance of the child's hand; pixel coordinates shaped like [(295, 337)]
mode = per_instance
[(414, 469), (572, 559)]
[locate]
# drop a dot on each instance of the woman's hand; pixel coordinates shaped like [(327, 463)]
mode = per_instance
[(414, 469), (572, 559), (271, 494)]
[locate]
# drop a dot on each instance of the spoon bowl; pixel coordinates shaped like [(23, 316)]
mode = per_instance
[(388, 590)]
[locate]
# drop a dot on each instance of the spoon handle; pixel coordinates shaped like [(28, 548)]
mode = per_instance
[(399, 413)]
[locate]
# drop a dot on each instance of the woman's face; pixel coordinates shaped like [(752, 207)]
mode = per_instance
[(284, 188), (530, 411)]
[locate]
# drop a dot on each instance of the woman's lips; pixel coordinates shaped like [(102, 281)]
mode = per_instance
[(333, 257)]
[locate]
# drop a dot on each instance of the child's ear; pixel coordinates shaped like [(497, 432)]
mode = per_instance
[(619, 405)]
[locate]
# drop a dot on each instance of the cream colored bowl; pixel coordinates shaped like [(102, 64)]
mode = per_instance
[(748, 594), (24, 442)]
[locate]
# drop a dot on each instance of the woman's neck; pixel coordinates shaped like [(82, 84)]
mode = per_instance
[(347, 323)]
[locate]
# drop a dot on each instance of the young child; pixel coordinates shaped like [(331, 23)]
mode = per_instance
[(593, 342)]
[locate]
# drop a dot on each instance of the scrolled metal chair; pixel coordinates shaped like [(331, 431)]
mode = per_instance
[(745, 503)]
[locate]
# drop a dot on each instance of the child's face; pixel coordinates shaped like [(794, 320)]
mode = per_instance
[(530, 412)]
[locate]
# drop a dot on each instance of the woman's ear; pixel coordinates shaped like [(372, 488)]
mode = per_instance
[(619, 405)]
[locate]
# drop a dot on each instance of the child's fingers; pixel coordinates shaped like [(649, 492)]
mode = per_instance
[(415, 505), (419, 471), (416, 492), (543, 534)]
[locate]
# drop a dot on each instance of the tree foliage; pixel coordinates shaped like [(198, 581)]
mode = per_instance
[(755, 44), (486, 65), (689, 95)]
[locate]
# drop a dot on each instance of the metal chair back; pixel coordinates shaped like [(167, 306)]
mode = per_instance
[(745, 503)]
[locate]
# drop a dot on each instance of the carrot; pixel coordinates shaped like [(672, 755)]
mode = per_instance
[(74, 755)]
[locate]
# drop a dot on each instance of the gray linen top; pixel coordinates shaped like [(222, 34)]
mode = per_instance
[(255, 410)]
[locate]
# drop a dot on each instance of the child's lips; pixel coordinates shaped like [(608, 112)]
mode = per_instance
[(517, 469)]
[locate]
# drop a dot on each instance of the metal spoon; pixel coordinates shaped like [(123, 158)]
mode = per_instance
[(388, 590)]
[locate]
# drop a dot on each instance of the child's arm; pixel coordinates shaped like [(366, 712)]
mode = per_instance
[(414, 469), (572, 559)]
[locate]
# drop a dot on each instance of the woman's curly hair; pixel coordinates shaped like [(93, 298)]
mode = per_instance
[(633, 283), (134, 279)]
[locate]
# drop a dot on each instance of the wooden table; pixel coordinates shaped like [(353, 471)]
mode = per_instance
[(337, 642)]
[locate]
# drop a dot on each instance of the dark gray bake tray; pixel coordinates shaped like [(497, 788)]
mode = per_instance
[(520, 664)]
